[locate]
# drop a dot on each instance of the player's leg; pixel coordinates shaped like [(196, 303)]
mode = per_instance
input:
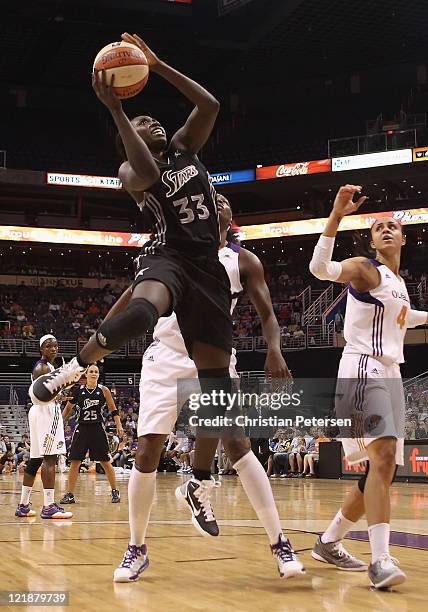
[(156, 418), (50, 509), (141, 494), (78, 449), (383, 571), (259, 492), (212, 363), (111, 477), (328, 547), (150, 299), (72, 480), (31, 469)]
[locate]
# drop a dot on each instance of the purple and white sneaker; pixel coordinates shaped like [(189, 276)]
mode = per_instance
[(53, 511), (286, 559), (134, 562), (24, 510)]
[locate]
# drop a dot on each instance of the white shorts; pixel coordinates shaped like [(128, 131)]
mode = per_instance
[(372, 394), (46, 431), (162, 367)]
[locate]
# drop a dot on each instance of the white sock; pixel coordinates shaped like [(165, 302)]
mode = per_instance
[(337, 529), (141, 493), (25, 495), (379, 540), (48, 496), (259, 492)]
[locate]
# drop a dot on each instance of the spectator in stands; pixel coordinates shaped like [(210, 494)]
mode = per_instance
[(28, 331), (278, 459), (7, 463), (297, 453), (22, 449), (422, 430)]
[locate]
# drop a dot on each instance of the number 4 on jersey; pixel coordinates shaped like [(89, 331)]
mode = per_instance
[(401, 319)]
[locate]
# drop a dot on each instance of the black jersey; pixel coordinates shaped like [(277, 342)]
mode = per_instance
[(181, 207), (89, 404)]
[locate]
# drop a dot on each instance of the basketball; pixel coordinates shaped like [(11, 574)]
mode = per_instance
[(128, 64)]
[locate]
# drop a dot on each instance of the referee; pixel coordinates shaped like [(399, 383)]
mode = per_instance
[(89, 435)]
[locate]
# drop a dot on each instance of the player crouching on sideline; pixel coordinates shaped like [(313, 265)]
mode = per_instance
[(164, 363), (46, 442), (89, 435), (369, 384)]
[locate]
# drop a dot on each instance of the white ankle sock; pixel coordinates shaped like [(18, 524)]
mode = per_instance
[(379, 540), (48, 496), (259, 492), (25, 495), (141, 493), (337, 529)]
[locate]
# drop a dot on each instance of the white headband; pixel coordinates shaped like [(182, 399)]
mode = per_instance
[(46, 337)]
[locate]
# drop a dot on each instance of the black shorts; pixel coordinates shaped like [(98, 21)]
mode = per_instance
[(200, 292), (92, 438)]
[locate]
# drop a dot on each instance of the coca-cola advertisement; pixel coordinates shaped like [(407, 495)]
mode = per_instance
[(296, 169)]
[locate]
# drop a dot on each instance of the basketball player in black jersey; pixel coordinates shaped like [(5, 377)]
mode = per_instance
[(46, 442), (179, 269), (90, 400)]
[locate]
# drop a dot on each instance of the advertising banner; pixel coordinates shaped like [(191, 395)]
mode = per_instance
[(235, 176), (415, 462), (83, 180), (301, 227), (60, 281), (420, 154), (371, 160), (297, 169), (316, 226)]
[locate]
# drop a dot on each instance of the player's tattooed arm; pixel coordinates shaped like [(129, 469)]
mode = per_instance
[(252, 273), (112, 408), (195, 132)]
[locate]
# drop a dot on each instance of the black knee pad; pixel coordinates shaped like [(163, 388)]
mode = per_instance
[(362, 481), (138, 317), (33, 466)]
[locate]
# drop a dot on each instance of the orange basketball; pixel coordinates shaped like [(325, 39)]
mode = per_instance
[(128, 64)]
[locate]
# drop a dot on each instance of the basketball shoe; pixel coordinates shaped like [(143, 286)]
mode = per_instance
[(384, 572), (68, 499), (335, 554), (45, 388), (53, 511), (115, 496), (195, 495), (134, 562), (288, 563), (24, 510)]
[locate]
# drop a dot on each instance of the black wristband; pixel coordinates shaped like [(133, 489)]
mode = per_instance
[(114, 413)]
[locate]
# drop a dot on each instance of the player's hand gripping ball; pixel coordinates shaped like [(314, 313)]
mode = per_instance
[(127, 63)]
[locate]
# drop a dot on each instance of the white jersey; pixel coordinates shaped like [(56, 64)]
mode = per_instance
[(375, 321), (167, 330)]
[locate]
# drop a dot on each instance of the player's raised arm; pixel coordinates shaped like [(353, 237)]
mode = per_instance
[(140, 171), (114, 412), (252, 272), (199, 125), (358, 270)]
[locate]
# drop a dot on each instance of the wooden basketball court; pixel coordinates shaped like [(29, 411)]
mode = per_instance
[(188, 572)]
